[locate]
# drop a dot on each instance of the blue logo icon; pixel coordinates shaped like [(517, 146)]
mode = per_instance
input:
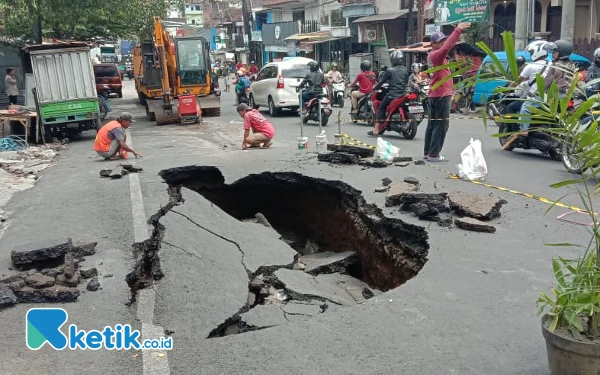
[(44, 324)]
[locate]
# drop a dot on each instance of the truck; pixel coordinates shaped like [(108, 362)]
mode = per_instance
[(66, 97), (167, 68)]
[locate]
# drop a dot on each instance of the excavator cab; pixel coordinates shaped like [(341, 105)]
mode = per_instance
[(191, 62)]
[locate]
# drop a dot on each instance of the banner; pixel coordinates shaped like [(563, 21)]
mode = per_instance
[(455, 11)]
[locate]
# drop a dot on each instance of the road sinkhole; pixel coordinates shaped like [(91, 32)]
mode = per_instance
[(347, 251)]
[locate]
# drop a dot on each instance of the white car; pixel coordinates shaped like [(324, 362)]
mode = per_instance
[(276, 83)]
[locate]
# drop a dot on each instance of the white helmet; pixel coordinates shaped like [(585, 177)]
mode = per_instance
[(536, 50), (597, 53), (240, 73)]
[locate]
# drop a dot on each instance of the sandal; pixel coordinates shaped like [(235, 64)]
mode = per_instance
[(267, 144), (439, 159)]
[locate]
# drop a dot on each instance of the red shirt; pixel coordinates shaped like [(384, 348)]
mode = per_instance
[(239, 66), (253, 69), (365, 82), (438, 58), (259, 124)]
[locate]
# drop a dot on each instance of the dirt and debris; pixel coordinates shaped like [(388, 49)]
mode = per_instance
[(348, 251), (93, 285), (386, 181), (338, 158), (412, 181), (396, 191), (470, 224), (475, 206), (402, 164), (120, 170), (362, 152), (49, 273), (88, 273), (363, 156), (374, 162), (402, 159), (419, 162), (382, 189)]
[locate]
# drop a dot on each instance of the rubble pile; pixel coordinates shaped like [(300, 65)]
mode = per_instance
[(473, 210), (364, 156), (119, 171), (20, 169), (48, 273)]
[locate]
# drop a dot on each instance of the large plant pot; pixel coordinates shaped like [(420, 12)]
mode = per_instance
[(569, 357)]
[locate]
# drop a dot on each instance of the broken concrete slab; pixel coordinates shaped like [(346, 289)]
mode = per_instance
[(476, 206), (38, 281), (402, 159), (261, 219), (374, 162), (363, 152), (386, 181), (132, 168), (412, 181), (88, 273), (474, 225), (382, 189), (69, 265), (338, 158), (69, 281), (397, 190), (358, 290), (328, 262), (7, 296), (265, 316), (302, 308), (84, 248), (419, 162), (402, 164), (419, 197), (23, 256), (93, 285), (52, 272), (444, 220), (105, 172), (117, 172), (423, 211), (16, 285), (304, 287), (56, 294)]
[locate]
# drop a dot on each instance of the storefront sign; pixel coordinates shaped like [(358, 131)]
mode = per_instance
[(455, 11), (276, 49), (291, 48), (305, 47), (257, 36), (431, 28)]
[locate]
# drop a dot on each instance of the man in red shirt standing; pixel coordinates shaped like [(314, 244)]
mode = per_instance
[(365, 81), (262, 130), (440, 97)]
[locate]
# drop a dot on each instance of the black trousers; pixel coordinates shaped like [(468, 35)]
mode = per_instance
[(382, 109), (12, 99), (437, 125)]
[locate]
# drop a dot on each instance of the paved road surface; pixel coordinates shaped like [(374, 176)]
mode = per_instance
[(469, 311)]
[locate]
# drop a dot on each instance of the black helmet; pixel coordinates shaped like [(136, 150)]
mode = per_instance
[(314, 66), (564, 49), (383, 68), (397, 58), (520, 61), (365, 65)]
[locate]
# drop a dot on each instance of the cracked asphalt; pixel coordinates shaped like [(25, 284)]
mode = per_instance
[(471, 309)]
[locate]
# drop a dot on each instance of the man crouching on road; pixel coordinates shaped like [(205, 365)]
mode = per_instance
[(111, 139), (262, 130)]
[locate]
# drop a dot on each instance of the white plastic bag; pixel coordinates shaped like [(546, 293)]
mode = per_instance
[(386, 150), (473, 164)]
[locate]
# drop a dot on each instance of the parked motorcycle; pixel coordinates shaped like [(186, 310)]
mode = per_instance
[(312, 109), (338, 90), (404, 114), (540, 140), (365, 109), (103, 94)]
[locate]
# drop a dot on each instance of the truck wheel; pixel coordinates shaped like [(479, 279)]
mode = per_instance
[(142, 98)]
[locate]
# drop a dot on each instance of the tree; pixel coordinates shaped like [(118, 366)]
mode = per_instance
[(31, 20)]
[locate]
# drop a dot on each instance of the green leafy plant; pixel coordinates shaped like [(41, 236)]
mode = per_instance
[(574, 303)]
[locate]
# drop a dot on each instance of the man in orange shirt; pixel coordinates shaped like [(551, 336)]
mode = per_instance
[(111, 139)]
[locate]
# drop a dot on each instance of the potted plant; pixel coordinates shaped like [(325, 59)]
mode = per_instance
[(571, 311)]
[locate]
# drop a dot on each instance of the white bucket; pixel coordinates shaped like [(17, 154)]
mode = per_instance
[(302, 143), (321, 140)]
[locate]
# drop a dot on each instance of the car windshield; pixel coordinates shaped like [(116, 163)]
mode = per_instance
[(105, 71), (296, 71)]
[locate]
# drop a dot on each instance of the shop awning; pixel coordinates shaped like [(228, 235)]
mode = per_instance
[(423, 47), (310, 37), (382, 17)]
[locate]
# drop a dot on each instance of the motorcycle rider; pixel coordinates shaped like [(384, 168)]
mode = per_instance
[(381, 71), (365, 81), (561, 52), (416, 78), (593, 73), (314, 80), (243, 83), (333, 76), (527, 85), (397, 78)]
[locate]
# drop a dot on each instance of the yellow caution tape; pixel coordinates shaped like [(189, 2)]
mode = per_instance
[(454, 176)]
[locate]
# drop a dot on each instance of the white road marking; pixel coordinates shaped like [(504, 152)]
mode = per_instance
[(155, 362)]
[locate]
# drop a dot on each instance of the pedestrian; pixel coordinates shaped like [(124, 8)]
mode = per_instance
[(262, 130), (111, 140), (440, 97), (10, 86), (226, 82)]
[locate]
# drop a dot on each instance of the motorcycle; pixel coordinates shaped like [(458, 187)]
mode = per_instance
[(423, 93), (404, 114), (103, 94), (497, 104), (244, 97), (312, 108), (365, 109), (338, 89), (540, 140), (572, 159)]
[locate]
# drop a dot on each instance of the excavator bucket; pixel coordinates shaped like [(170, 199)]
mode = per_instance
[(211, 105), (161, 115)]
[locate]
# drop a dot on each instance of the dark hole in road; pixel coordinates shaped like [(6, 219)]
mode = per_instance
[(330, 213)]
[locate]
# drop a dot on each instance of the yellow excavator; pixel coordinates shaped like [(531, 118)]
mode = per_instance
[(168, 68)]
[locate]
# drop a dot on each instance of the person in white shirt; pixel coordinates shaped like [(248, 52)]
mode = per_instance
[(10, 86), (527, 85)]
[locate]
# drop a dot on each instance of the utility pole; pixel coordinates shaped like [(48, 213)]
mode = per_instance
[(411, 29), (521, 26), (421, 22), (247, 19), (567, 25)]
